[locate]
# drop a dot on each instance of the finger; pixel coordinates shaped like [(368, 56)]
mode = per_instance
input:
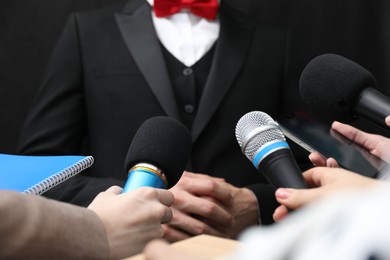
[(317, 159), (207, 187), (209, 210), (313, 176), (387, 120), (294, 198), (173, 235), (352, 133), (280, 213), (210, 199), (167, 216), (114, 190), (191, 225), (331, 162), (166, 197), (202, 176)]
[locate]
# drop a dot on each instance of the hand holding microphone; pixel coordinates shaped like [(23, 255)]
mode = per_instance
[(264, 144), (156, 158), (158, 154)]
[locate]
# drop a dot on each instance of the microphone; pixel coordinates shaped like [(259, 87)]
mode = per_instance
[(343, 89), (264, 144), (158, 154)]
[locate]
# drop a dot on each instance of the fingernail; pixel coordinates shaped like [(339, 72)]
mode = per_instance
[(282, 193), (388, 120), (311, 158)]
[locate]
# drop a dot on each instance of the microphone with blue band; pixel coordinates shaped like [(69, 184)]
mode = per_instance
[(264, 144), (158, 154), (270, 148), (144, 174)]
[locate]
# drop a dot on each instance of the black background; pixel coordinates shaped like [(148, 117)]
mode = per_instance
[(356, 29)]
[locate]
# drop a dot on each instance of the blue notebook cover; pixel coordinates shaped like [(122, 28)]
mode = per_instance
[(38, 174)]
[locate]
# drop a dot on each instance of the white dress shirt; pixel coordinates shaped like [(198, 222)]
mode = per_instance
[(186, 36)]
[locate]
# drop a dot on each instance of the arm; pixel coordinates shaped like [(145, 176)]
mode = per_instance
[(38, 227), (57, 121), (110, 228)]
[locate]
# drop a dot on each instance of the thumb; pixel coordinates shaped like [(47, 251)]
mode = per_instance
[(295, 198), (114, 190)]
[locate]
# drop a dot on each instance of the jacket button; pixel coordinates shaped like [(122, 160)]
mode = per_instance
[(187, 72), (189, 109)]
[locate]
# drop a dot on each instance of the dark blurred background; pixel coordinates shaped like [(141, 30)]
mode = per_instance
[(356, 29)]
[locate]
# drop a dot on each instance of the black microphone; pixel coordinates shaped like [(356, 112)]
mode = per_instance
[(264, 144), (158, 154), (343, 89)]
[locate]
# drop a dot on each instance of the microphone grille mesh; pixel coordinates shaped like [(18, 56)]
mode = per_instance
[(256, 129)]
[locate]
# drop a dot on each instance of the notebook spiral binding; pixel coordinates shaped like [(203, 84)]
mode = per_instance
[(60, 177)]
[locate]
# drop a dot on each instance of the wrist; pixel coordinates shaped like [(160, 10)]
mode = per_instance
[(252, 206), (246, 210)]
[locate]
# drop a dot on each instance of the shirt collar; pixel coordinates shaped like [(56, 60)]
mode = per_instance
[(151, 2)]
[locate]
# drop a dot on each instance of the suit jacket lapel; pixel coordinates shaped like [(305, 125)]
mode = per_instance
[(231, 49), (136, 26)]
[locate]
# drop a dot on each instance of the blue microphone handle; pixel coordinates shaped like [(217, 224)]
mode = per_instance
[(142, 175)]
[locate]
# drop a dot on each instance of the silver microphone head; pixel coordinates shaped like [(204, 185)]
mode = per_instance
[(255, 130)]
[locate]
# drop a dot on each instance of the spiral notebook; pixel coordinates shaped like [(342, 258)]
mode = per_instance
[(38, 174)]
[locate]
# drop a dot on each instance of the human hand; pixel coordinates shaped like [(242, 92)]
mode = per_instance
[(208, 205), (376, 144), (244, 209), (132, 219), (324, 182), (200, 207)]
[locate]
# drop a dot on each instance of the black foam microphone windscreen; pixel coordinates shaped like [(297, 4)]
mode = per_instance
[(342, 89), (161, 147)]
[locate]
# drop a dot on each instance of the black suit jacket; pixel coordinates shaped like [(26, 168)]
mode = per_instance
[(107, 76)]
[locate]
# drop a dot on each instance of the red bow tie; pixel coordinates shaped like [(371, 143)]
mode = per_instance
[(203, 8)]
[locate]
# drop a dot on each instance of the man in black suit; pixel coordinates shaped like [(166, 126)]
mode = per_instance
[(115, 67)]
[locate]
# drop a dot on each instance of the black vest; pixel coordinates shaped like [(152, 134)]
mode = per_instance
[(188, 83)]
